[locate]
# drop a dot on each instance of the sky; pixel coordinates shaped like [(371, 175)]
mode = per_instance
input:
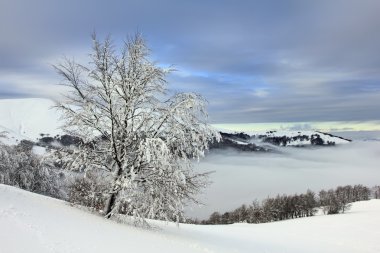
[(268, 61)]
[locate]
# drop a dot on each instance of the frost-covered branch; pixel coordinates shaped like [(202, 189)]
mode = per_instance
[(117, 106)]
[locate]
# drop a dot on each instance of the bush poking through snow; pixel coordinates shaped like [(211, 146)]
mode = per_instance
[(90, 191), (21, 168)]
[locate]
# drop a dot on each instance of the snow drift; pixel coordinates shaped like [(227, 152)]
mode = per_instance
[(34, 223)]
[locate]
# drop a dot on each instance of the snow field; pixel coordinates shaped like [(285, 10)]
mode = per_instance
[(33, 223)]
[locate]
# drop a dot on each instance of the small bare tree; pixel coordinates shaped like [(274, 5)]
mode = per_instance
[(145, 142)]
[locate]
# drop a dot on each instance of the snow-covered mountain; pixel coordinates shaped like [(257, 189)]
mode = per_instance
[(299, 138), (28, 118), (269, 141), (35, 223)]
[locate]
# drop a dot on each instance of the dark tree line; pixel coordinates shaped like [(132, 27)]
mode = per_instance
[(315, 139), (338, 200), (283, 207)]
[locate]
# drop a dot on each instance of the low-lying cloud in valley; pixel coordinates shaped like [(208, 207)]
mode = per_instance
[(243, 177)]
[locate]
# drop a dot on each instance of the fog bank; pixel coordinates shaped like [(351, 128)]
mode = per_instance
[(242, 177)]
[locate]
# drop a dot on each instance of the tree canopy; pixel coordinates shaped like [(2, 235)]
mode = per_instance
[(131, 129)]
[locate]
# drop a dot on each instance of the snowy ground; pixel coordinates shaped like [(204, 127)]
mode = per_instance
[(33, 223)]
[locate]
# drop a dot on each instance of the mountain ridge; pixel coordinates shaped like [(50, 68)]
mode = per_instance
[(34, 119)]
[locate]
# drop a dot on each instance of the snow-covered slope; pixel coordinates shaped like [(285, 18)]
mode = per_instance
[(27, 118), (270, 140), (33, 223), (297, 138)]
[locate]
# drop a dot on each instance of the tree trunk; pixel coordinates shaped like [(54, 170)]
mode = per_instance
[(110, 203)]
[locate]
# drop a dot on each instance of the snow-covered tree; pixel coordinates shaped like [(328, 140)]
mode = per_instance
[(376, 192), (3, 134), (20, 167), (118, 106)]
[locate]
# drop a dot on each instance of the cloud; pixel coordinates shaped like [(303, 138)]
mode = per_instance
[(324, 126), (18, 85), (243, 177), (299, 127), (299, 60), (261, 93)]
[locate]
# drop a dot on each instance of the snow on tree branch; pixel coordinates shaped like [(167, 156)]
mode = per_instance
[(115, 106)]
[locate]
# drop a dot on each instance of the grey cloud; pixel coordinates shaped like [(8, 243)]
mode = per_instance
[(314, 60)]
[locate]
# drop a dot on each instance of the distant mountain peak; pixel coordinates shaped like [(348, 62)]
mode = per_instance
[(268, 140)]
